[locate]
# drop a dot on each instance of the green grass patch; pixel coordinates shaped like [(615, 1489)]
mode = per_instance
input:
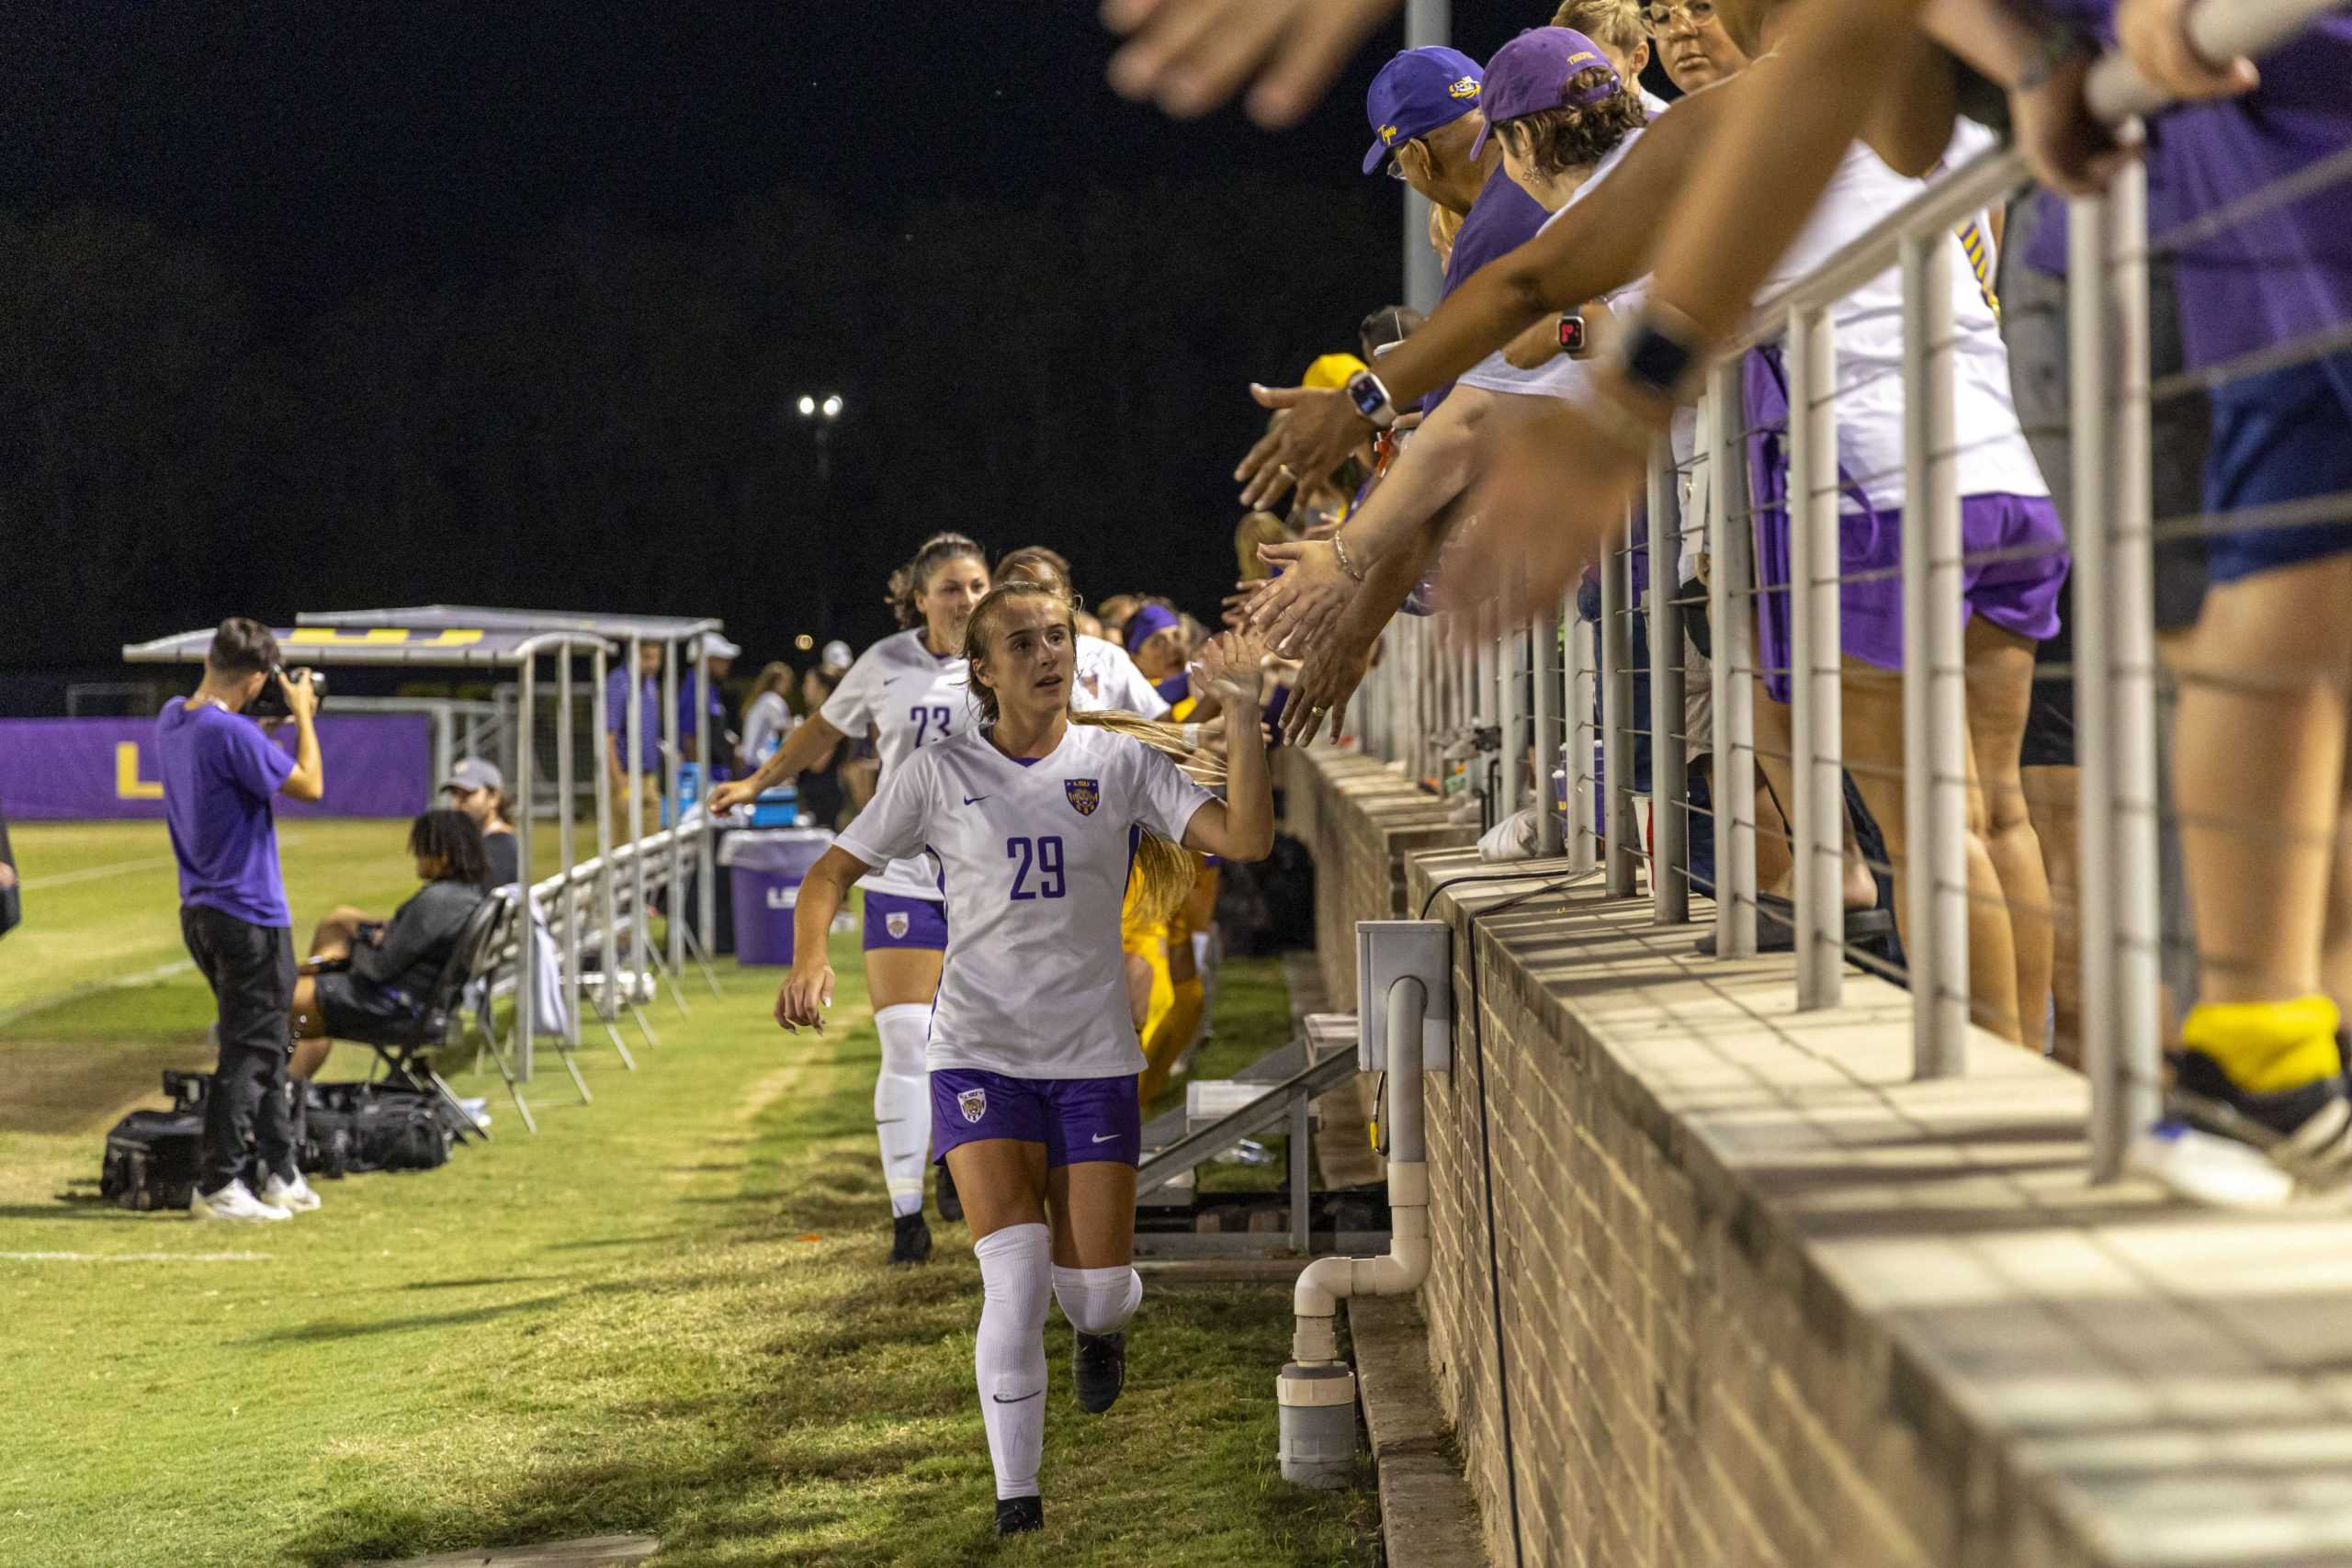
[(667, 1312)]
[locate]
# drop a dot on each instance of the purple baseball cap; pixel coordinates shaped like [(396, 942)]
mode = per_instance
[(1528, 74), (1418, 91)]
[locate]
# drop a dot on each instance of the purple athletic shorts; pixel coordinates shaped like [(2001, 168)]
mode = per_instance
[(894, 920), (1077, 1120), (2017, 588)]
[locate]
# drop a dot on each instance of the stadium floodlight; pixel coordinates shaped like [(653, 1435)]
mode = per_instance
[(808, 406), (833, 406)]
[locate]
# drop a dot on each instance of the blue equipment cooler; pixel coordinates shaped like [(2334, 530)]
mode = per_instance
[(766, 867)]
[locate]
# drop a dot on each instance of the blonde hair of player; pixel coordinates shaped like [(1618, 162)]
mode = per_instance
[(1258, 528)]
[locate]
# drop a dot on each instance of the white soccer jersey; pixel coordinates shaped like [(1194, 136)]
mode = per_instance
[(910, 698), (1108, 680), (1035, 861), (1991, 450)]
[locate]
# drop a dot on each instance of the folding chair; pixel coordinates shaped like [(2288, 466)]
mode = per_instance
[(401, 1044)]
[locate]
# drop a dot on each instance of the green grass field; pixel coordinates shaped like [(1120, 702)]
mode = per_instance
[(667, 1312)]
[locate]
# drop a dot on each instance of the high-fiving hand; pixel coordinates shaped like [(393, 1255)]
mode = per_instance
[(1189, 56), (1311, 436), (1551, 497), (1297, 604), (1233, 665)]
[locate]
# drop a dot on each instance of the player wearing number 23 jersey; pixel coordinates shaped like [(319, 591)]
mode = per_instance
[(910, 698)]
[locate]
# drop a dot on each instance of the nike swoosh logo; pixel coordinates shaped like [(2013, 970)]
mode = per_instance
[(1105, 1137), (1022, 1400), (974, 799)]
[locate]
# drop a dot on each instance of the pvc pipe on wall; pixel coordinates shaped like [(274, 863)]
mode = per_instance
[(1326, 1282)]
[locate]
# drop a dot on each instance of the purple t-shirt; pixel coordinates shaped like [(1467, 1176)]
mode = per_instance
[(649, 754), (219, 774), (2271, 277), (1503, 219)]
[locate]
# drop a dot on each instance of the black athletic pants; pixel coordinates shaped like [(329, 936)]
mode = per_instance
[(250, 971)]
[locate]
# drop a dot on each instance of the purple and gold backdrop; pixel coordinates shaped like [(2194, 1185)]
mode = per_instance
[(82, 768)]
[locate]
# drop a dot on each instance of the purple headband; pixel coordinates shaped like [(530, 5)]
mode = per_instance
[(1149, 622)]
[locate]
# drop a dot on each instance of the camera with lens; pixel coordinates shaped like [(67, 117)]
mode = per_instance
[(270, 702)]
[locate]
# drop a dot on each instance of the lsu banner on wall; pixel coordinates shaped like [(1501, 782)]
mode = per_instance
[(77, 769)]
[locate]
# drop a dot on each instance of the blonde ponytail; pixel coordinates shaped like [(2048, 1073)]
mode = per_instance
[(1161, 879), (1180, 742)]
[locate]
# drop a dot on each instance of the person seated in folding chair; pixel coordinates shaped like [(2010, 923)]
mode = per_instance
[(365, 978)]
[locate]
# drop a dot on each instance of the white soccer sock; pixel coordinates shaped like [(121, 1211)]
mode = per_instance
[(903, 1102), (1098, 1300), (1008, 1354)]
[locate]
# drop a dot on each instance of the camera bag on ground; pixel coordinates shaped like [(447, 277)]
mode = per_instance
[(360, 1126), (152, 1159)]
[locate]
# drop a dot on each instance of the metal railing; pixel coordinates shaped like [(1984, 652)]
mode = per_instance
[(1497, 713)]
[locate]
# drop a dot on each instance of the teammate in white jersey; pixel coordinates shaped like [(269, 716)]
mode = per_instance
[(907, 691), (1032, 820), (1105, 679)]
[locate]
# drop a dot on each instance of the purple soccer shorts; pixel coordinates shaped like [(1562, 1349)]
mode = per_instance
[(894, 920), (1077, 1120)]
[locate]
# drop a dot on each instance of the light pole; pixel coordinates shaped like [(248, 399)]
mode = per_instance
[(1427, 23), (821, 412)]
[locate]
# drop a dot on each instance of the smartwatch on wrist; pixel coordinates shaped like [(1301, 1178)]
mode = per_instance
[(1572, 331), (1371, 400)]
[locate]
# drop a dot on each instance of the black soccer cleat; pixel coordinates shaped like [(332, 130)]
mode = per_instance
[(1017, 1516), (950, 1202), (1099, 1367), (910, 1242)]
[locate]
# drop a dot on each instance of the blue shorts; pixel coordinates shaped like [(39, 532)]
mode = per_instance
[(2281, 435), (895, 921), (1077, 1120)]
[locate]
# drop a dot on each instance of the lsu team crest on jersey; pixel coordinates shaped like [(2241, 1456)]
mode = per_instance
[(973, 1103), (897, 924), (1085, 795)]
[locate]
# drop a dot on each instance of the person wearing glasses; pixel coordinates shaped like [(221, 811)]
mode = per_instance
[(1693, 46)]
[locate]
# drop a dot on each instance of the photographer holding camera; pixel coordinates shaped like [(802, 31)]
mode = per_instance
[(219, 772)]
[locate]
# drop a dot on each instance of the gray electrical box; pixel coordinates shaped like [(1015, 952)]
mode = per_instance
[(1385, 951)]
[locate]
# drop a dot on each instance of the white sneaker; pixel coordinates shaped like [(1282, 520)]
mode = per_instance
[(234, 1202), (294, 1197)]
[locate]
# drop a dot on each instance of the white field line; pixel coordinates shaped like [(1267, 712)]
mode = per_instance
[(93, 873), (156, 975), (136, 1256)]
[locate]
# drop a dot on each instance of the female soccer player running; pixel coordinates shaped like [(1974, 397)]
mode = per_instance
[(909, 692), (1032, 819)]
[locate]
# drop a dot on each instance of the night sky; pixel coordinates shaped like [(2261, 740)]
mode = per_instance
[(362, 303)]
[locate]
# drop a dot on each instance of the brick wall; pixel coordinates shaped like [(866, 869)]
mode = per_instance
[(1361, 818), (1749, 1304)]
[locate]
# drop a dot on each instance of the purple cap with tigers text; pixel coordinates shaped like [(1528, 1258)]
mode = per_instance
[(1531, 73)]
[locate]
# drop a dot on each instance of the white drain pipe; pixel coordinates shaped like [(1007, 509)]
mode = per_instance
[(1317, 1391)]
